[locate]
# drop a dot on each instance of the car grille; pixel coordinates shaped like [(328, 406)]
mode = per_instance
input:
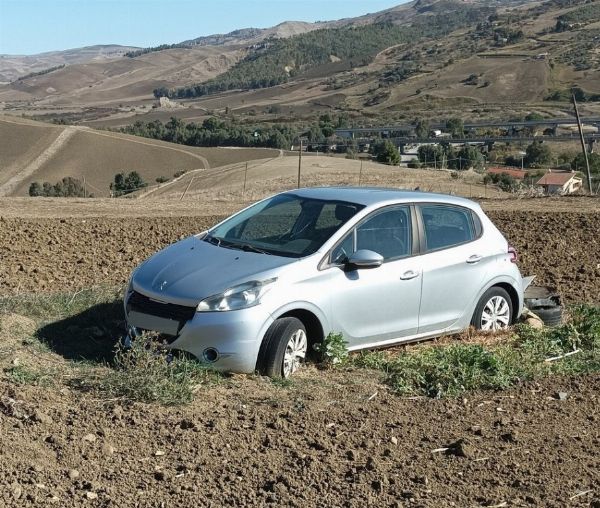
[(141, 303)]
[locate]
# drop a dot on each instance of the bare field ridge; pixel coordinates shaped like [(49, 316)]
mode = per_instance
[(34, 151)]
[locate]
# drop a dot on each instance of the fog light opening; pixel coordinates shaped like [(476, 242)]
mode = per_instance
[(210, 355)]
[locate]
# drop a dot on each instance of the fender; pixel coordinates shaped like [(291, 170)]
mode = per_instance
[(304, 305), (501, 279)]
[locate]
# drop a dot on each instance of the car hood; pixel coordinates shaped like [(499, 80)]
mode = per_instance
[(190, 270)]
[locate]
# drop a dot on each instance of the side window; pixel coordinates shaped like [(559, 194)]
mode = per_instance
[(387, 233), (447, 226)]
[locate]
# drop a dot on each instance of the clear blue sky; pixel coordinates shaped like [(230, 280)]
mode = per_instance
[(35, 26)]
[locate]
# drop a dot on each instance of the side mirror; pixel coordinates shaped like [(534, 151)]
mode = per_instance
[(364, 258)]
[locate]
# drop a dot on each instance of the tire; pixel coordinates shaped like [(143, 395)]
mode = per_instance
[(550, 315), (496, 304), (284, 348)]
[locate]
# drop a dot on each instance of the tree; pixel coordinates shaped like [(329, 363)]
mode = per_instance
[(456, 127), (422, 128), (578, 163), (36, 189), (386, 152), (68, 187), (124, 184), (537, 154), (431, 154), (467, 157)]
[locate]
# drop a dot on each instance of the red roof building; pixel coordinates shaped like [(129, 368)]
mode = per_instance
[(560, 182), (518, 174)]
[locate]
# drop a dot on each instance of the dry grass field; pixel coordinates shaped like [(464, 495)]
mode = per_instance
[(276, 174), (34, 151)]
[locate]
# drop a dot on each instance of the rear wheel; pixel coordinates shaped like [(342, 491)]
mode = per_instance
[(494, 310), (284, 348)]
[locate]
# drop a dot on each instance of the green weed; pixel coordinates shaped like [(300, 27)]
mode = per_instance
[(144, 373), (333, 350), (24, 375), (438, 371)]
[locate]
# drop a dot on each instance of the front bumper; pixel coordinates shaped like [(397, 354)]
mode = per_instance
[(235, 335)]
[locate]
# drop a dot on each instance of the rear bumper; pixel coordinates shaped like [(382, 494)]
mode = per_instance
[(235, 335)]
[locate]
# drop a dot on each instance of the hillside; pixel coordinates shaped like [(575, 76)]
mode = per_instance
[(427, 58), (98, 84), (13, 67), (34, 151)]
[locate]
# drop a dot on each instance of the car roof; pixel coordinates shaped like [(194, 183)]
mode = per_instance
[(369, 196)]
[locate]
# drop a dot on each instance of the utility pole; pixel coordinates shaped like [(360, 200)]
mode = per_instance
[(245, 177), (84, 189), (583, 149), (299, 162), (360, 173)]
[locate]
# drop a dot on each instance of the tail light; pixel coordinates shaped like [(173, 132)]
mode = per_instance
[(512, 254)]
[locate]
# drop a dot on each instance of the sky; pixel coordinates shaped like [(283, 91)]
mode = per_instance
[(36, 26)]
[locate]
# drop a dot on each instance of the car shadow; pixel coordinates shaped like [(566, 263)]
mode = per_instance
[(91, 335)]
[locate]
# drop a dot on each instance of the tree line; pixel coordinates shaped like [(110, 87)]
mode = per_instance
[(214, 132)]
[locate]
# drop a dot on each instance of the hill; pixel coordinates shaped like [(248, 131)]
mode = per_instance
[(13, 67), (427, 58), (121, 80), (34, 151)]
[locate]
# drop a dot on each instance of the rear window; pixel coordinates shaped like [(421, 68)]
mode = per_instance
[(447, 226)]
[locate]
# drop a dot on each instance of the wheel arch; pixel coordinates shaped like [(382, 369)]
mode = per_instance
[(313, 320), (514, 297)]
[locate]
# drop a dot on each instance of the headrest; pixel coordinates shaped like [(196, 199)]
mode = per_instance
[(344, 212)]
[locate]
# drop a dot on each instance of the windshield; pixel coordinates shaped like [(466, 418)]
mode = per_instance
[(284, 225)]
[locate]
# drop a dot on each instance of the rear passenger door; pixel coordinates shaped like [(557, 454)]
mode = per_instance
[(454, 263)]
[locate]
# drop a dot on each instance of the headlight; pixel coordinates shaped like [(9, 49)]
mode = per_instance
[(235, 298)]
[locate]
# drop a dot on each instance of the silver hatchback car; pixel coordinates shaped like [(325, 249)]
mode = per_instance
[(379, 266)]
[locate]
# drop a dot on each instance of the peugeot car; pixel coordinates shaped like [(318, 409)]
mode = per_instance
[(379, 266)]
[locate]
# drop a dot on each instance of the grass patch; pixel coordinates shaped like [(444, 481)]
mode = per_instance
[(24, 375), (439, 371), (85, 327), (145, 373)]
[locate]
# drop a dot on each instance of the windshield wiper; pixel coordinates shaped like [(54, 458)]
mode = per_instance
[(250, 248), (213, 239), (246, 247)]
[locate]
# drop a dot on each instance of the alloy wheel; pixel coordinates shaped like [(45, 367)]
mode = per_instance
[(295, 352), (496, 314)]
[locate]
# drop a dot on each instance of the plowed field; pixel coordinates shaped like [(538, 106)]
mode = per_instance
[(328, 439), (61, 253)]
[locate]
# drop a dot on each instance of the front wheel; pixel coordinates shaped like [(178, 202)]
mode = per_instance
[(284, 348), (494, 310)]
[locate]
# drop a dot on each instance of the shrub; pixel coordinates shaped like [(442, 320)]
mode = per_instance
[(332, 350), (145, 374), (68, 187), (437, 371)]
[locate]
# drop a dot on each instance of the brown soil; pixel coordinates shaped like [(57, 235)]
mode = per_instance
[(63, 253), (331, 439)]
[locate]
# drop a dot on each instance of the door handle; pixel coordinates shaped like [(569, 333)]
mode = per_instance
[(475, 258), (410, 274)]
